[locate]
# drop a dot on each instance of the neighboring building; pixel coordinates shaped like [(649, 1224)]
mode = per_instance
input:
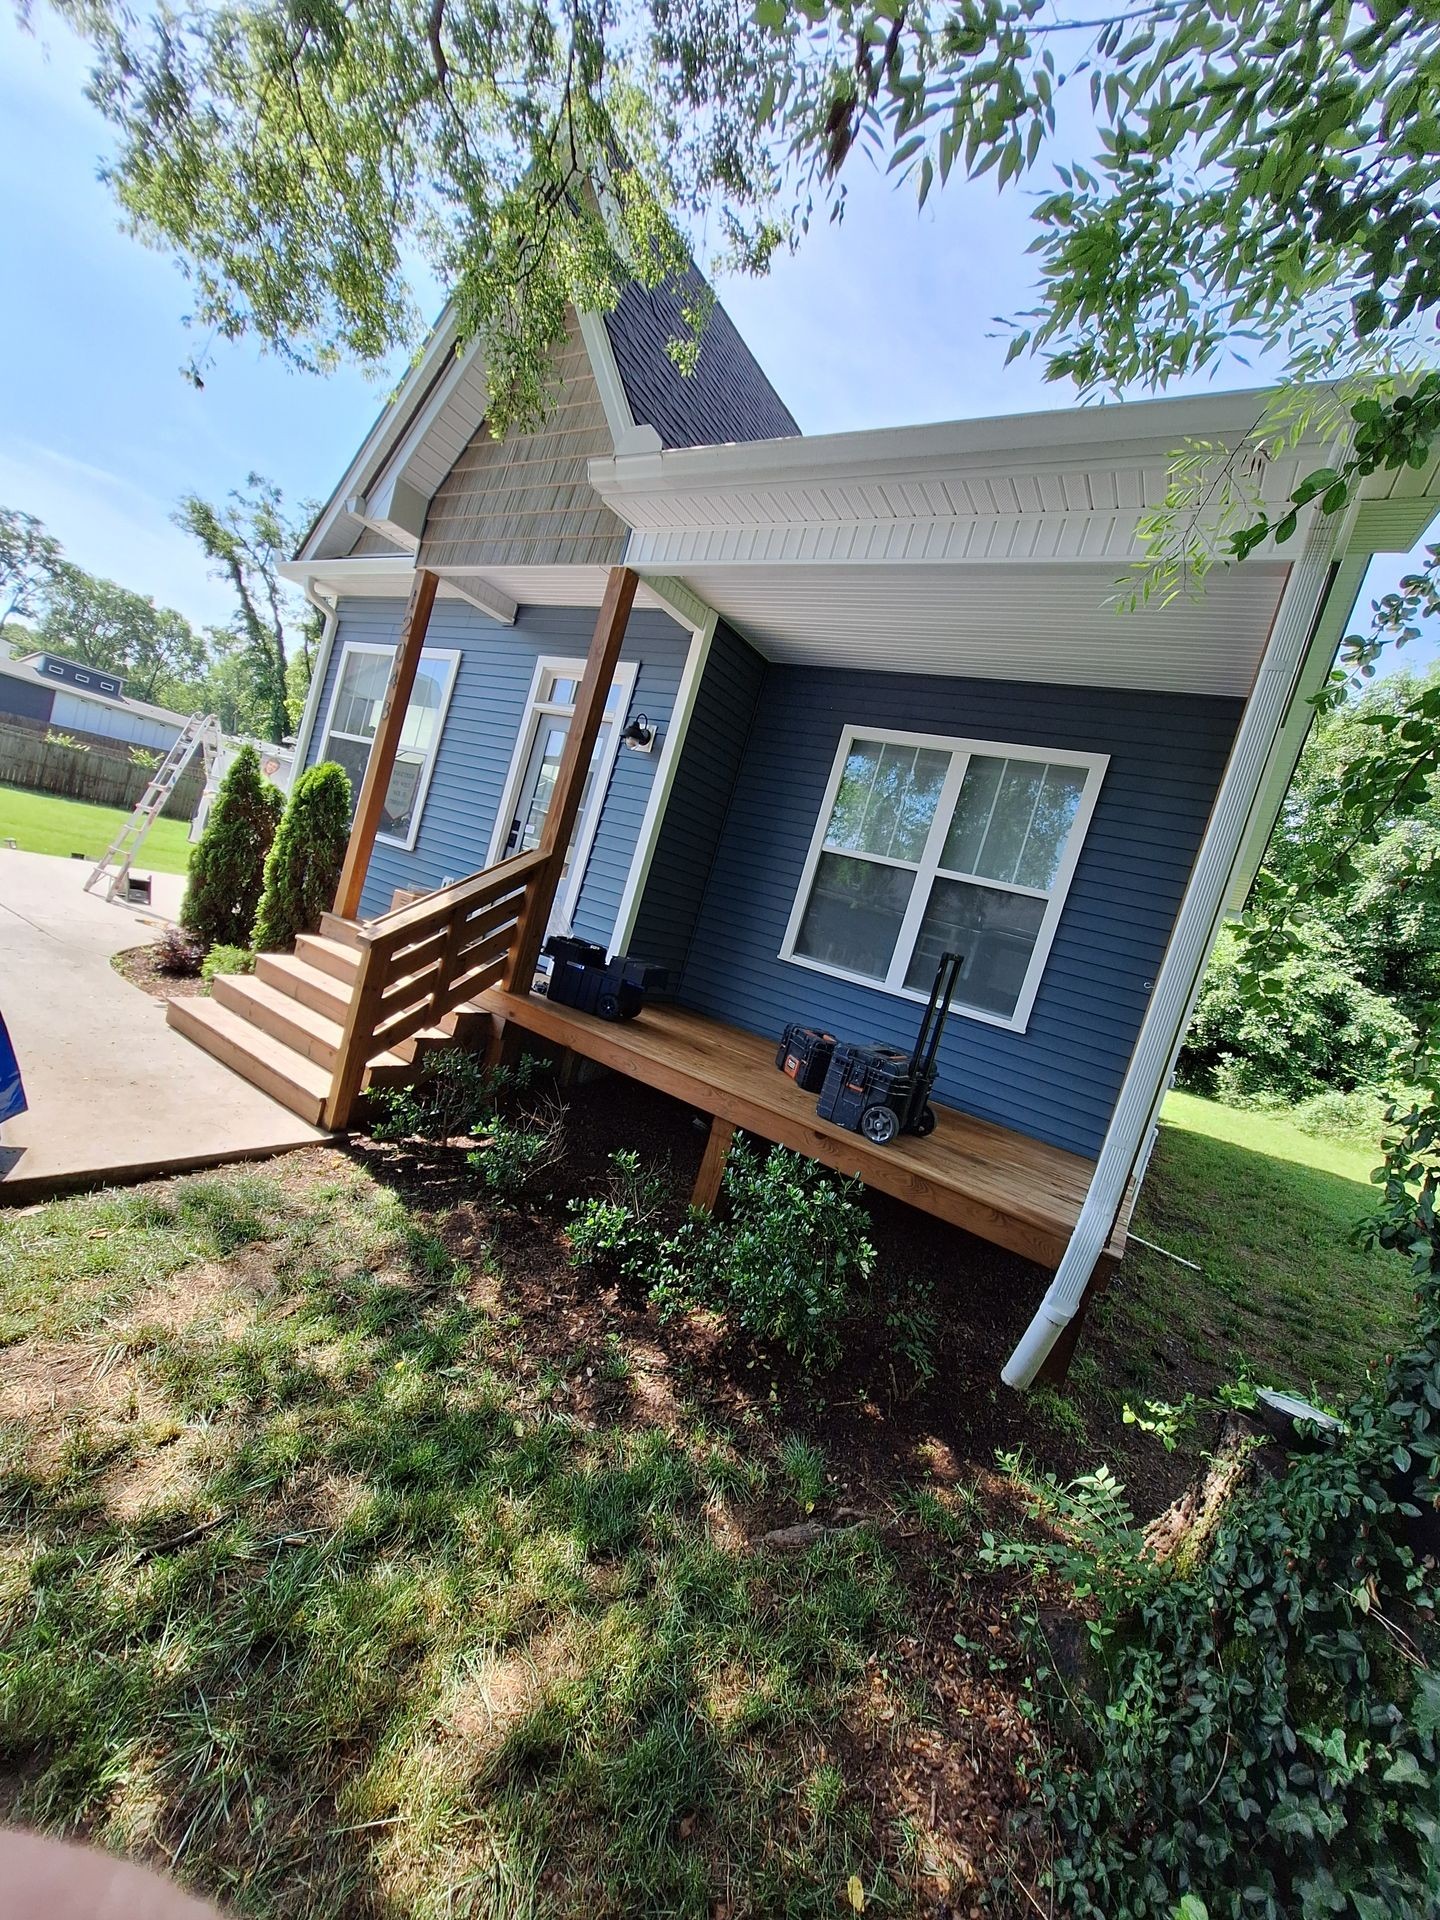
[(66, 696), (890, 708)]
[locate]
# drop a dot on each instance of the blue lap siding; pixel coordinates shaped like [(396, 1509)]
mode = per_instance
[(487, 707), (778, 728)]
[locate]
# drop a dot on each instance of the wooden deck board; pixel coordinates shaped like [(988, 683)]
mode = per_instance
[(1005, 1187)]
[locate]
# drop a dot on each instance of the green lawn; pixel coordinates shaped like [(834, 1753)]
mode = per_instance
[(41, 823), (1267, 1212)]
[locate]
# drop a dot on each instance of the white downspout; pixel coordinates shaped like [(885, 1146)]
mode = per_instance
[(1181, 970), (329, 610)]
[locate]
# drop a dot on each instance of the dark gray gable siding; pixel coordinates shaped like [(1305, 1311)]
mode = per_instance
[(487, 707), (728, 397), (1058, 1081), (26, 699), (699, 802)]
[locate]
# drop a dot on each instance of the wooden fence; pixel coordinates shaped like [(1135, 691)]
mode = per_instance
[(102, 773)]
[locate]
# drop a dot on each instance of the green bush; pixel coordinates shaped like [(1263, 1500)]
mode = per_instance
[(623, 1229), (227, 868), (515, 1153), (227, 960), (455, 1094), (303, 866), (1333, 1035)]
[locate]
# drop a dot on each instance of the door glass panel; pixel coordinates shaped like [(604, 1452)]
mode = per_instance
[(993, 930), (540, 780), (854, 914)]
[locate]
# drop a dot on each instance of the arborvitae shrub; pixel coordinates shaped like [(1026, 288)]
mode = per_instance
[(227, 868), (303, 869)]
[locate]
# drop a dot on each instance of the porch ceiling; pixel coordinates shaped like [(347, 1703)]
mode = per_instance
[(1057, 623)]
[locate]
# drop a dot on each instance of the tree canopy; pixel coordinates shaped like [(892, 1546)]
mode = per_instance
[(157, 652)]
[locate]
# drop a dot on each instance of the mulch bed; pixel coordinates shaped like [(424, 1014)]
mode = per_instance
[(137, 965)]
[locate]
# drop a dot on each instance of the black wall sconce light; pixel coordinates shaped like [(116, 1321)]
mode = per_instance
[(639, 736)]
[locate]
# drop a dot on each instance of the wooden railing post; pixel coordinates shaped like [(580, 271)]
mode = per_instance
[(590, 698), (381, 764), (353, 1055)]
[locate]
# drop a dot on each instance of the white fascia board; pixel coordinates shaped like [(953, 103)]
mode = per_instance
[(382, 437), (1127, 429), (353, 573), (626, 435), (483, 594)]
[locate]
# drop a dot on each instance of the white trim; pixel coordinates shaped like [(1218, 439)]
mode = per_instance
[(927, 868), (451, 655), (1178, 981), (626, 435), (330, 610), (487, 597), (567, 667), (668, 765)]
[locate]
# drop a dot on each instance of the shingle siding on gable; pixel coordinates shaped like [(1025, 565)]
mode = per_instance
[(699, 802), (1059, 1080), (728, 397), (487, 706)]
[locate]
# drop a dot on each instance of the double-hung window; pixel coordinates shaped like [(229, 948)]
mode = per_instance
[(926, 845), (359, 694)]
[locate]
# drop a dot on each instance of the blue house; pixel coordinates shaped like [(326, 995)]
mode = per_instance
[(792, 716)]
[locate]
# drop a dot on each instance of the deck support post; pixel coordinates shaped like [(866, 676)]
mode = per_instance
[(381, 764), (712, 1166), (584, 730), (1058, 1361)]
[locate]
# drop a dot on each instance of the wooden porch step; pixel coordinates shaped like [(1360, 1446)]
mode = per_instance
[(288, 974), (346, 932), (289, 1077), (289, 1020), (330, 956)]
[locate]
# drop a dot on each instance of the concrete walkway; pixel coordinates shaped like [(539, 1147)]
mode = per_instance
[(114, 1093)]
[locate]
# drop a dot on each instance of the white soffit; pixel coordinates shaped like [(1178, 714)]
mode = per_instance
[(1058, 624)]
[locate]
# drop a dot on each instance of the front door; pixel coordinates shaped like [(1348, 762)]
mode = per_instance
[(536, 766)]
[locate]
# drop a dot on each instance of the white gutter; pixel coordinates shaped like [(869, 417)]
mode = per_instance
[(1178, 980), (330, 612)]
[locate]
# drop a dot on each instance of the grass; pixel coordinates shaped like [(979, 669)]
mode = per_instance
[(311, 1592), (1268, 1213), (43, 823)]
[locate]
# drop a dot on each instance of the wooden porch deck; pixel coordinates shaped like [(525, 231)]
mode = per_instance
[(1003, 1186)]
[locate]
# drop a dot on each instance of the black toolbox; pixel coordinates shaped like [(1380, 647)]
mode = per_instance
[(804, 1053), (582, 977), (882, 1092)]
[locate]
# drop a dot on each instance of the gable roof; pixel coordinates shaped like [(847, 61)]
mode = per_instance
[(27, 667), (727, 398), (439, 407)]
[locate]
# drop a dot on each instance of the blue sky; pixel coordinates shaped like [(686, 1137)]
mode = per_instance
[(889, 317)]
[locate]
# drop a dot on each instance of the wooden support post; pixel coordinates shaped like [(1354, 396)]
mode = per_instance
[(381, 764), (580, 740), (1057, 1362), (353, 1054), (712, 1166)]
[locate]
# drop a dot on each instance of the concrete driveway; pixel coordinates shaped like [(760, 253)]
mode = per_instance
[(114, 1093)]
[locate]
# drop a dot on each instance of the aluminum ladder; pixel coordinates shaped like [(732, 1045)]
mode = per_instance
[(200, 734)]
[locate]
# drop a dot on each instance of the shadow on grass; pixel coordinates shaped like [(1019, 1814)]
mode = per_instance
[(1284, 1293), (306, 1595)]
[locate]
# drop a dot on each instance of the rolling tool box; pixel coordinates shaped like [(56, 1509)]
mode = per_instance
[(880, 1091), (804, 1053), (581, 977)]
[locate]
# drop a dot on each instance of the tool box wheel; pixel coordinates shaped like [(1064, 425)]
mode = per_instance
[(879, 1125), (924, 1122), (608, 1006)]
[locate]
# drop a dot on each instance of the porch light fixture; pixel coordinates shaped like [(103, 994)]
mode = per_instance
[(639, 736)]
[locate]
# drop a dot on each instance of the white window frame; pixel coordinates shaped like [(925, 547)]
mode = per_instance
[(451, 657), (928, 867), (560, 666)]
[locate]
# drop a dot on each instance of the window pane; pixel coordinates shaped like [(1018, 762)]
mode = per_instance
[(422, 716), (995, 932), (1050, 828), (887, 799), (854, 914), (353, 756), (399, 808), (362, 693), (1012, 819)]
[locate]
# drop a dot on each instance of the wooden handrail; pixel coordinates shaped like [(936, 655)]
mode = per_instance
[(437, 907), (419, 962)]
